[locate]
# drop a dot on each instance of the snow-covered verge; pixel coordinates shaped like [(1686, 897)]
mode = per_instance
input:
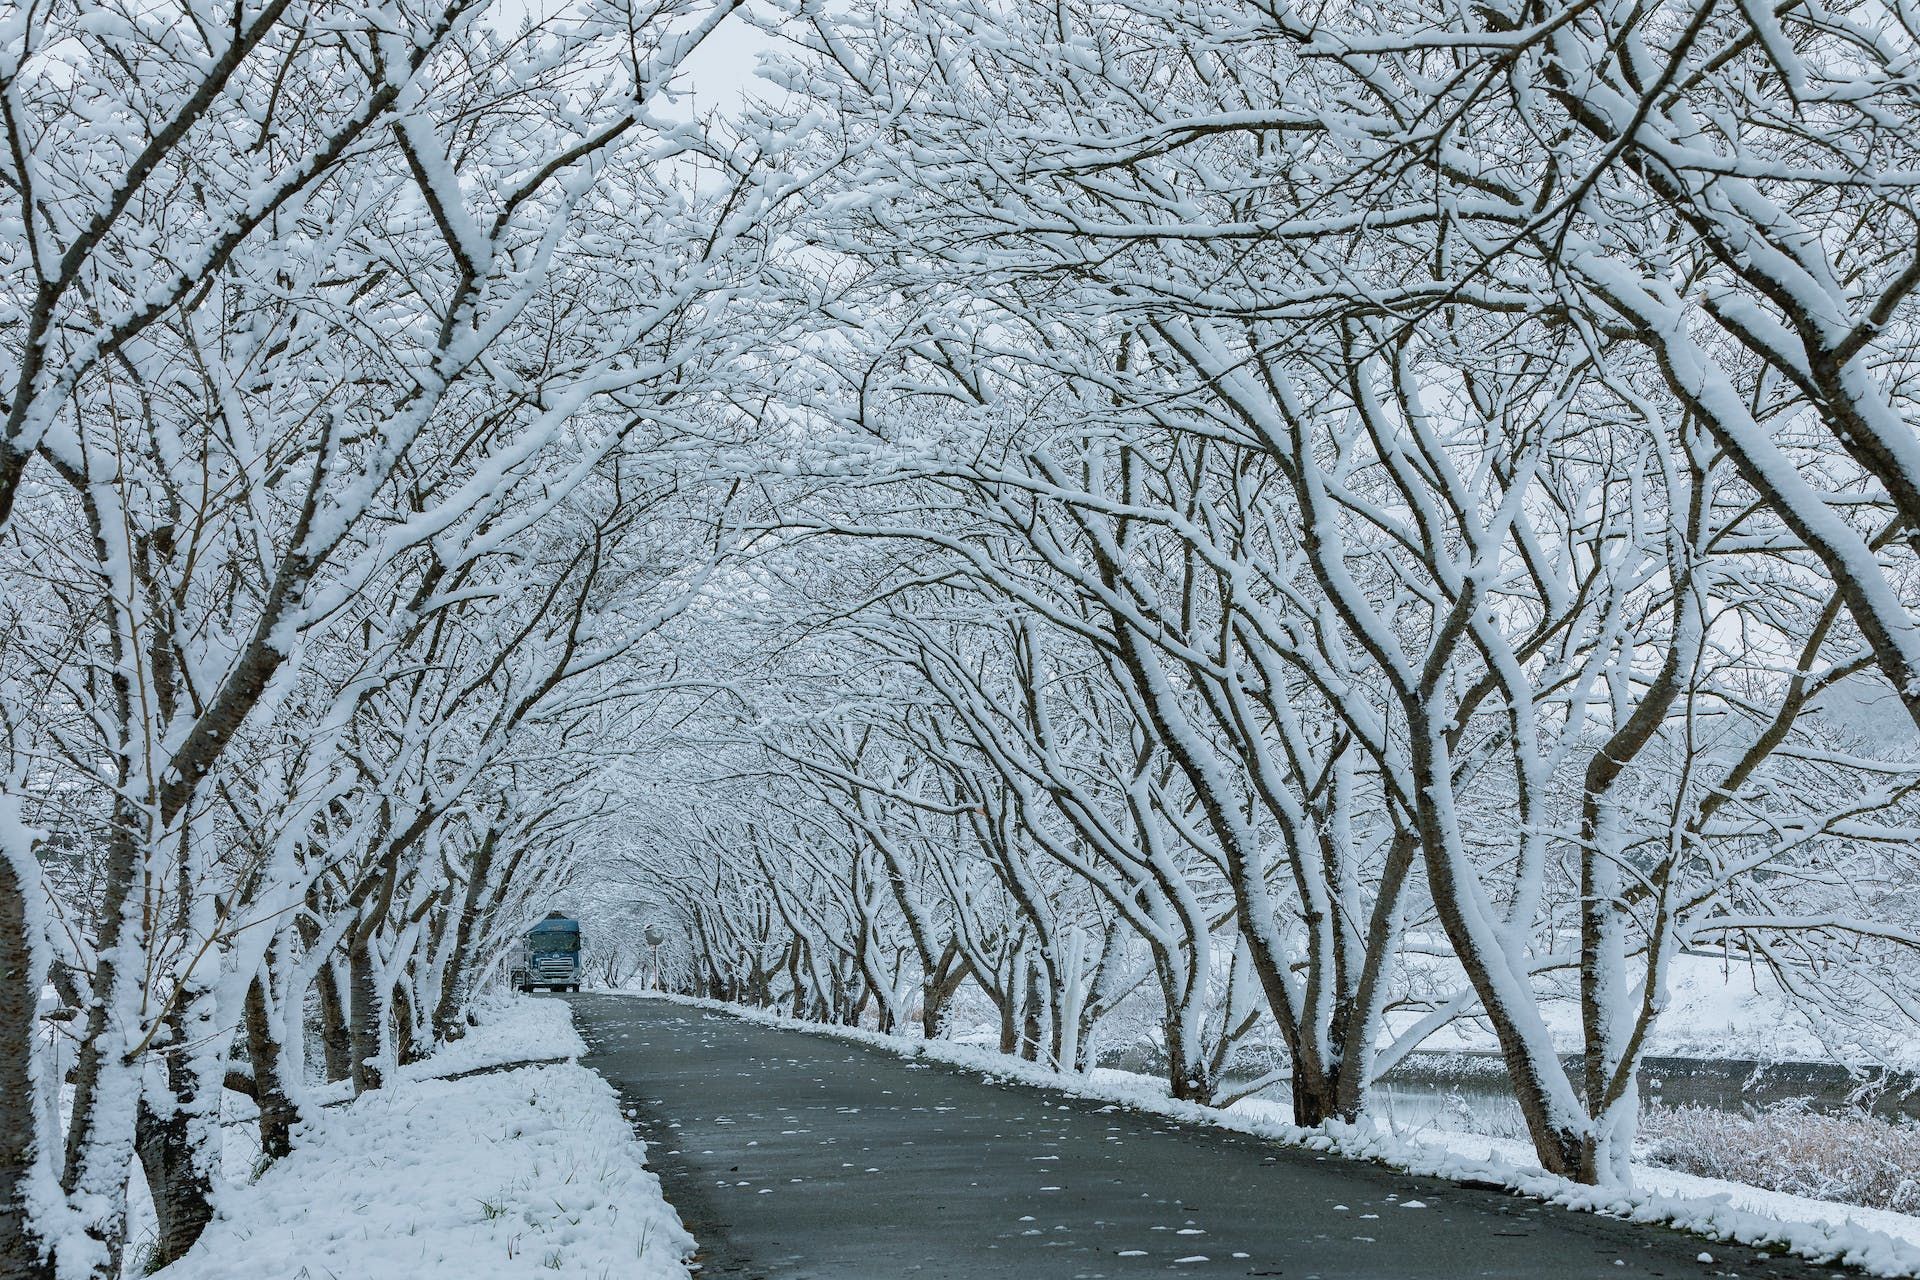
[(1902, 1229), (505, 1028), (526, 1172), (1876, 1241)]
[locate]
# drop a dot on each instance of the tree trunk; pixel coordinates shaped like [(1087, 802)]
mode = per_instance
[(179, 1181), (1540, 1084), (101, 1128), (1354, 1077), (406, 1041), (22, 1252), (793, 974), (278, 1114), (447, 1023), (1188, 1078), (938, 990), (1030, 1014), (336, 1041), (366, 1012)]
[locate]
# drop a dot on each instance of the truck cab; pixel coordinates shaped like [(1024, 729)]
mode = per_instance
[(550, 956)]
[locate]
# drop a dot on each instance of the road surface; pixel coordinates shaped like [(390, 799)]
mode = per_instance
[(799, 1157)]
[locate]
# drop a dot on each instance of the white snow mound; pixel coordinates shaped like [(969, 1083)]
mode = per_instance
[(522, 1173)]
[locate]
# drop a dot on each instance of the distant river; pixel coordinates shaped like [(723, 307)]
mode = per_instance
[(1428, 1087)]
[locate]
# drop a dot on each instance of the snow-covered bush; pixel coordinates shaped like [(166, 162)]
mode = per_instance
[(1851, 1157)]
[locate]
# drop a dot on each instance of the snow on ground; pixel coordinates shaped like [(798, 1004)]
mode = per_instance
[(1668, 1182), (1716, 1009), (501, 1029), (505, 1028), (1879, 1242), (529, 1172)]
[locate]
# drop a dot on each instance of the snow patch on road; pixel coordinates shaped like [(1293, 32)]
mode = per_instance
[(1876, 1241), (529, 1173)]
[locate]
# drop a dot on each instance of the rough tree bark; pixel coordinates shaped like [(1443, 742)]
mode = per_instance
[(278, 1113), (22, 1252), (365, 1013), (1030, 1013), (453, 986), (181, 1189), (406, 1043)]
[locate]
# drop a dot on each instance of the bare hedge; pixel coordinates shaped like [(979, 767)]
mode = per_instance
[(1851, 1157)]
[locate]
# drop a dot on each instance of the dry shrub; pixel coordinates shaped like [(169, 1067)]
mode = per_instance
[(1850, 1157)]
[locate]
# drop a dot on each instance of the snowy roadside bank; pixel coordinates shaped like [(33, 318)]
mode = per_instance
[(529, 1172), (1878, 1242), (502, 1030)]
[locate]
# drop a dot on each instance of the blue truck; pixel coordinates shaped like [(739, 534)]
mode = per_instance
[(550, 956)]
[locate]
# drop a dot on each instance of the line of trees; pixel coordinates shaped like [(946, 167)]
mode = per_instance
[(1330, 520), (351, 359), (1308, 498)]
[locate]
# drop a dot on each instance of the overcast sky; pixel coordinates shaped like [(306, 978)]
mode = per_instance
[(721, 70), (717, 75)]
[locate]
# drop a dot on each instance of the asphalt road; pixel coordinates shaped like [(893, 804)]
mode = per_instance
[(799, 1157)]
